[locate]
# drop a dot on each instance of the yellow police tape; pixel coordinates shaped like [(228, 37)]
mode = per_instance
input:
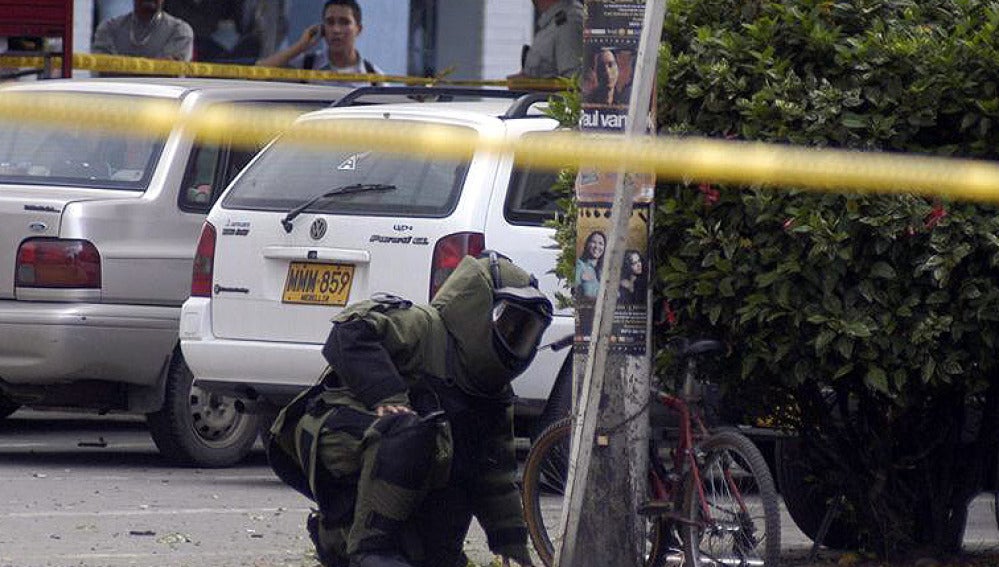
[(118, 64), (691, 159)]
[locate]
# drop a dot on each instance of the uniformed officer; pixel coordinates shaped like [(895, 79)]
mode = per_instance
[(557, 49), (409, 433)]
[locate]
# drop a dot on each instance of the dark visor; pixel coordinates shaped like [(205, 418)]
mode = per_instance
[(519, 327)]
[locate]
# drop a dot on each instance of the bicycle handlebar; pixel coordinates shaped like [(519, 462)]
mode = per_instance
[(559, 344)]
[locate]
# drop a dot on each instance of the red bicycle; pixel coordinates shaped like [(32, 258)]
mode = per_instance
[(712, 499)]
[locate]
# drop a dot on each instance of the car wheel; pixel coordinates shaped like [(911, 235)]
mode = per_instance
[(7, 406), (806, 503), (198, 428)]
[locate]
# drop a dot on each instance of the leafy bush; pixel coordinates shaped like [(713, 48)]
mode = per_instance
[(875, 318), (567, 110)]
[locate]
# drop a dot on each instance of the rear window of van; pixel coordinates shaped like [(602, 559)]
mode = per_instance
[(358, 181)]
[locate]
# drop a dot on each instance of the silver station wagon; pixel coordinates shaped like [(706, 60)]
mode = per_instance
[(97, 240)]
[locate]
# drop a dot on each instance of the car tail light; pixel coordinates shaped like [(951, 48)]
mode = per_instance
[(204, 263), (448, 253), (58, 263)]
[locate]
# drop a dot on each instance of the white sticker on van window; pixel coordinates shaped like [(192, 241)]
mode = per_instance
[(349, 164)]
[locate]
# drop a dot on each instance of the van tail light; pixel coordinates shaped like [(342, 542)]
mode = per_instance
[(58, 263), (448, 253), (204, 263)]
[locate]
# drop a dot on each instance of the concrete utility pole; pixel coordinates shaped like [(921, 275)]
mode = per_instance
[(609, 460)]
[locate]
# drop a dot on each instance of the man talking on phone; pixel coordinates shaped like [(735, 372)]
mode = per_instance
[(329, 45)]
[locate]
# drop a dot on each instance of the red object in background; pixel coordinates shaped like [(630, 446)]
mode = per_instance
[(936, 215), (42, 18), (711, 195)]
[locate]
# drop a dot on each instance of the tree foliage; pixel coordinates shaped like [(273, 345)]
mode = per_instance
[(872, 320)]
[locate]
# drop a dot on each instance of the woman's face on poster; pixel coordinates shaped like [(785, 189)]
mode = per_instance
[(635, 264), (595, 245)]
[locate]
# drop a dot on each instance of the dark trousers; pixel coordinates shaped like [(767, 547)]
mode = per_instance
[(442, 523)]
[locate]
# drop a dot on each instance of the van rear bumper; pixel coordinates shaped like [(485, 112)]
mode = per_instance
[(261, 367)]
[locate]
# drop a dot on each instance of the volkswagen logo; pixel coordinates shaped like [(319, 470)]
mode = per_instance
[(318, 229)]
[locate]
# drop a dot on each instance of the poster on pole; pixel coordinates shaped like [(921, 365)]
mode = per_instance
[(629, 324), (595, 186), (611, 355), (611, 34)]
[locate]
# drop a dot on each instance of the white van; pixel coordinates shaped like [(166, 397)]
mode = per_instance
[(301, 233)]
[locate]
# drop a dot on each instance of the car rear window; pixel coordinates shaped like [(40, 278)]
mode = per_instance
[(31, 154), (287, 175)]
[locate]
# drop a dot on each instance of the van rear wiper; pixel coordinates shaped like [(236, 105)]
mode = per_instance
[(342, 190)]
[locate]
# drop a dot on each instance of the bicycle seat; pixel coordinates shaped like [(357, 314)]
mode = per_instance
[(685, 347)]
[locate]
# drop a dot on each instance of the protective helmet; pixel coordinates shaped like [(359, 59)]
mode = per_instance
[(520, 317), (496, 315)]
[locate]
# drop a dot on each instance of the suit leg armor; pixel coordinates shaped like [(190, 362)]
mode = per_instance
[(404, 457), (330, 541)]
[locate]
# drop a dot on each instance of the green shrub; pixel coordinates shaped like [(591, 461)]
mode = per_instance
[(873, 320)]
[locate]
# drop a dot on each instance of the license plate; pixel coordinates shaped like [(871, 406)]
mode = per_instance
[(318, 284)]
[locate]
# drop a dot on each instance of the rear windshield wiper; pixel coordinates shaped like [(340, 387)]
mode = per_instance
[(342, 190)]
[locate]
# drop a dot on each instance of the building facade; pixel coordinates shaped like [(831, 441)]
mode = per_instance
[(471, 39)]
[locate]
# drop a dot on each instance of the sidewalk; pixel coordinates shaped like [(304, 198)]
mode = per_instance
[(792, 541), (981, 536)]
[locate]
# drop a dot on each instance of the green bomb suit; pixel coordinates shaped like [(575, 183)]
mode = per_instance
[(408, 485)]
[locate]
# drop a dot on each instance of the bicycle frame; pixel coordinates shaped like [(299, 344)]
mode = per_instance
[(684, 457), (697, 503), (684, 462)]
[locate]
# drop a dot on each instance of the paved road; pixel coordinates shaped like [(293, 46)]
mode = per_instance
[(92, 491)]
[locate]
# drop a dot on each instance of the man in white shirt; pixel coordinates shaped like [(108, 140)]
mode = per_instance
[(338, 33), (146, 31)]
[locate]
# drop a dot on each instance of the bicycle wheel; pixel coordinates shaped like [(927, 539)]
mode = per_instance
[(545, 474), (742, 526)]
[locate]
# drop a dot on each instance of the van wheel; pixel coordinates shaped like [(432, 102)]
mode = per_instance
[(559, 402), (266, 420), (7, 406), (198, 428)]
